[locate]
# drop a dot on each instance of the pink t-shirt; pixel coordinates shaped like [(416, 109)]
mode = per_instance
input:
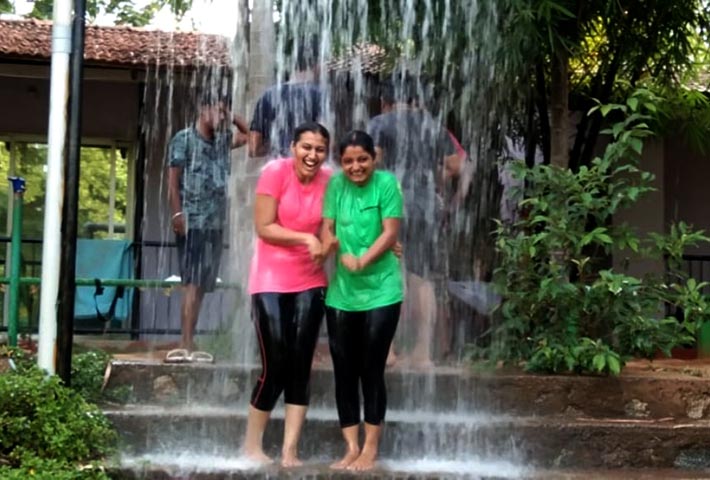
[(279, 268)]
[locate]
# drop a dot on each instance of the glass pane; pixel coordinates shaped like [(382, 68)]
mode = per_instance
[(95, 190)]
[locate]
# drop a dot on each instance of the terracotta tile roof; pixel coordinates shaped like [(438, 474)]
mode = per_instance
[(127, 46), (368, 57), (120, 46)]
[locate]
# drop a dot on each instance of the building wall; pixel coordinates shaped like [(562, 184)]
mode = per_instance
[(687, 196), (109, 109), (648, 214)]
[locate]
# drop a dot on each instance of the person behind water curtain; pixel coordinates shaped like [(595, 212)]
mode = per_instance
[(416, 147), (284, 106)]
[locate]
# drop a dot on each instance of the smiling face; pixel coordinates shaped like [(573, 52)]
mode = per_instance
[(358, 165), (309, 153)]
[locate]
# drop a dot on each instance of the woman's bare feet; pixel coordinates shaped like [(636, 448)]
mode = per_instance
[(289, 458), (420, 362), (365, 462), (258, 456), (391, 358), (349, 457)]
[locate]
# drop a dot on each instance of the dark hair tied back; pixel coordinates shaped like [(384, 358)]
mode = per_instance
[(357, 138), (313, 127)]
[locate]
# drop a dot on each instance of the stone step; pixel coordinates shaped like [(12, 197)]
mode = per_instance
[(445, 389), (217, 468), (552, 441), (210, 467)]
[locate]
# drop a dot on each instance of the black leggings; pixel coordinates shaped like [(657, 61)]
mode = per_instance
[(287, 326), (359, 344)]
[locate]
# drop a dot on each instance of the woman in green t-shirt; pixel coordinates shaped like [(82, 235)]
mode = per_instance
[(361, 214)]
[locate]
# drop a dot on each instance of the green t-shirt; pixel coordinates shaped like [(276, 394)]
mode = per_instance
[(358, 212)]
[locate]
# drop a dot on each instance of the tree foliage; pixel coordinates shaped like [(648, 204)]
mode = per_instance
[(6, 6), (598, 50), (94, 186), (563, 313), (125, 12)]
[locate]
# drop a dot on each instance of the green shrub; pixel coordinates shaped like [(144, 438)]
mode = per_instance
[(87, 378), (41, 469), (564, 309), (40, 418)]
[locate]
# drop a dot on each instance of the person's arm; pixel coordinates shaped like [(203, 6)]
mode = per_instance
[(378, 155), (383, 243), (257, 146), (327, 237), (260, 126), (453, 165), (265, 213), (391, 209), (241, 134), (177, 219)]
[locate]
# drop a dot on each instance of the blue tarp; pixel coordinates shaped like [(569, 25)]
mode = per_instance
[(102, 259)]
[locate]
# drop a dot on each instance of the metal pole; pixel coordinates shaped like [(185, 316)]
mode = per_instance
[(56, 136), (18, 187), (67, 281)]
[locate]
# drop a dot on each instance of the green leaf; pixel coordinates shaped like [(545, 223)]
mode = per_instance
[(613, 364), (632, 103), (599, 362)]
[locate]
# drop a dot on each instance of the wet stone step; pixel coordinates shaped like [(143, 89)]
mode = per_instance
[(160, 467), (215, 467), (452, 389), (552, 441)]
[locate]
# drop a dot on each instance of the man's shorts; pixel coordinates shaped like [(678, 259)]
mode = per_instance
[(200, 252)]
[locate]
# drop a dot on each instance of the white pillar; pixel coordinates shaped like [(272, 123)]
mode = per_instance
[(51, 246)]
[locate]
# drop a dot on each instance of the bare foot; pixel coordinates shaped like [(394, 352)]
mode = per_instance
[(257, 455), (289, 458), (350, 456), (391, 358), (421, 363), (365, 462)]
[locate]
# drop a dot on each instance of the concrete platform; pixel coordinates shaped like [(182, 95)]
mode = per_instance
[(652, 422), (638, 393), (534, 441)]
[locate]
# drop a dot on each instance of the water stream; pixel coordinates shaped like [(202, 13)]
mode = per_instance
[(444, 54)]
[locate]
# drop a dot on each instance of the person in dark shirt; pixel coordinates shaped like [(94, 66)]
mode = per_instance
[(284, 106), (415, 146)]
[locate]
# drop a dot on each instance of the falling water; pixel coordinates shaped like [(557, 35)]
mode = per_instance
[(448, 54)]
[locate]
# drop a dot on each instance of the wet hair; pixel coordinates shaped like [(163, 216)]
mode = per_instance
[(357, 138), (403, 86), (213, 86), (209, 98), (313, 127), (307, 53)]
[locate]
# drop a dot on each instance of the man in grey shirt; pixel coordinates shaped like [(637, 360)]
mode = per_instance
[(198, 167), (416, 147)]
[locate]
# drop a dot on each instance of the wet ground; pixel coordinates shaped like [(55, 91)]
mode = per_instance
[(652, 422)]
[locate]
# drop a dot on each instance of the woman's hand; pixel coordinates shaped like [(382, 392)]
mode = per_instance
[(315, 248), (351, 262), (397, 249), (178, 222), (330, 244)]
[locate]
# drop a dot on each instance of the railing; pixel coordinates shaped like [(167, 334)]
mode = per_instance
[(698, 267), (155, 310)]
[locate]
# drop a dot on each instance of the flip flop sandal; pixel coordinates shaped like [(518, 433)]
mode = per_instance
[(178, 355), (201, 357)]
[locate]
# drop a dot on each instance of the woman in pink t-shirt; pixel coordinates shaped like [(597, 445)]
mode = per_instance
[(287, 284)]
